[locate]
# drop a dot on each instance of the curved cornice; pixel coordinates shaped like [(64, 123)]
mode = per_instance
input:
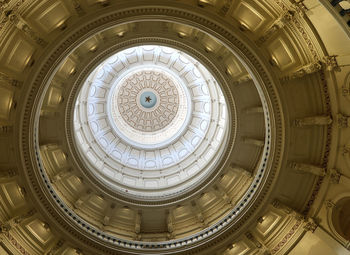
[(231, 226)]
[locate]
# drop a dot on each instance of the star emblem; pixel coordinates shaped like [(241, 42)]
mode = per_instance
[(148, 99)]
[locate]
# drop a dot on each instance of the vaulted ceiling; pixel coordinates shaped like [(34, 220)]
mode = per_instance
[(269, 174)]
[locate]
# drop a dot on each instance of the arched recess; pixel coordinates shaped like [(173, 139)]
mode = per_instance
[(340, 218)]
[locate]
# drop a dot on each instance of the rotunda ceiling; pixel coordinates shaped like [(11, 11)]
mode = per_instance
[(166, 140), (157, 122), (173, 127), (181, 161)]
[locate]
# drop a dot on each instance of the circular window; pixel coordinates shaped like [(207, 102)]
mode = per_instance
[(151, 126)]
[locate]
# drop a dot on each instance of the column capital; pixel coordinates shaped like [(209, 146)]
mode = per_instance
[(343, 120), (334, 175), (300, 7), (331, 62), (310, 225)]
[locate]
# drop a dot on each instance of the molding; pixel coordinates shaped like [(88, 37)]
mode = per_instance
[(287, 237), (231, 225)]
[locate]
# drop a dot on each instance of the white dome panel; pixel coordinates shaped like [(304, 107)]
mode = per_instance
[(148, 119)]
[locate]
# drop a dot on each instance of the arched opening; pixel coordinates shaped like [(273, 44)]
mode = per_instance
[(341, 217)]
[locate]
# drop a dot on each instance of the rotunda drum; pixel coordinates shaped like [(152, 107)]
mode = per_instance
[(153, 128)]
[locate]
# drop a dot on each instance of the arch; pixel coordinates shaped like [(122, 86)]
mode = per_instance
[(341, 217)]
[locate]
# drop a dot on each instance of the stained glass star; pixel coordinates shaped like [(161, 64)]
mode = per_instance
[(148, 99)]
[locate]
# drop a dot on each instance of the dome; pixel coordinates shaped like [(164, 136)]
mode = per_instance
[(150, 120), (174, 127), (164, 156)]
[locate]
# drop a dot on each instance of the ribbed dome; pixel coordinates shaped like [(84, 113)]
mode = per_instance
[(151, 151), (197, 150), (173, 127)]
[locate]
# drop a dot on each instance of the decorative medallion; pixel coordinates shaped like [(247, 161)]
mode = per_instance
[(147, 100)]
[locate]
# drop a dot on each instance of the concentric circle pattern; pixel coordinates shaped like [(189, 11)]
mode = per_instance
[(165, 145), (174, 127), (179, 171), (149, 123), (147, 101), (155, 150)]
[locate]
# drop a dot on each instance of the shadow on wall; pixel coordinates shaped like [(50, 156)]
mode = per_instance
[(341, 218)]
